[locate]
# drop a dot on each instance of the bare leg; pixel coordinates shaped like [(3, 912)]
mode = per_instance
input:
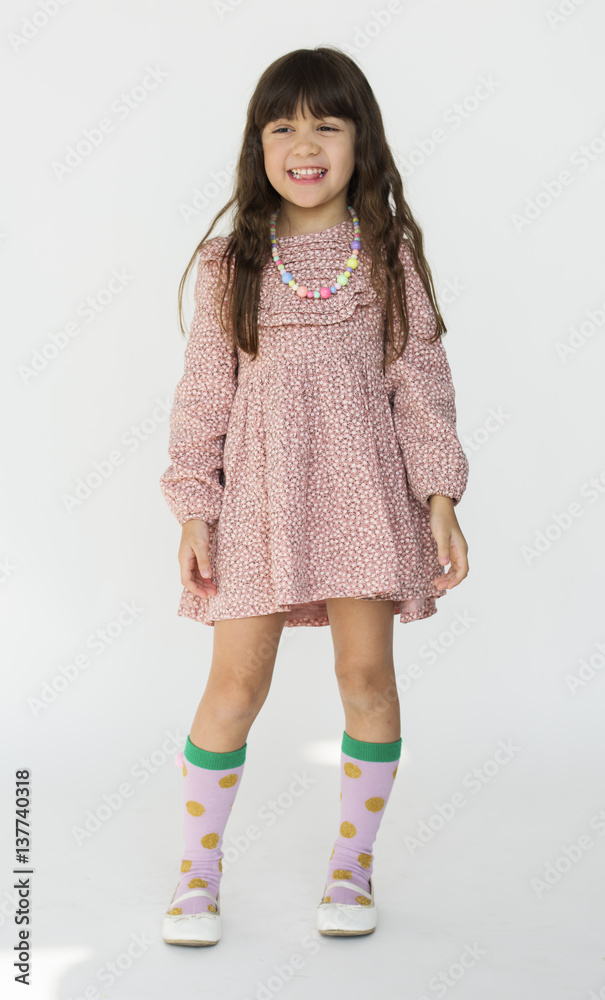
[(243, 658), (362, 635)]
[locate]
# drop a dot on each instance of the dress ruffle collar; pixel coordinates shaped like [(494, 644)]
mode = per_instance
[(280, 306)]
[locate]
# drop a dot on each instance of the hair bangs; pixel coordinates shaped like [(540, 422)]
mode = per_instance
[(309, 86)]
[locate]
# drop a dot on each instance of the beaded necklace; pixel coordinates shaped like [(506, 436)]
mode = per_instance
[(327, 290)]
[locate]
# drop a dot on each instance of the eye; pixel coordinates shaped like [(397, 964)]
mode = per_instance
[(281, 128)]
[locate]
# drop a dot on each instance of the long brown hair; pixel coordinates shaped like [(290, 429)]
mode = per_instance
[(329, 83)]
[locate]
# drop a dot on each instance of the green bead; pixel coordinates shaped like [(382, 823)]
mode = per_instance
[(315, 295), (342, 279)]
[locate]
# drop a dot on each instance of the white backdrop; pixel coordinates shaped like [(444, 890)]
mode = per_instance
[(494, 112)]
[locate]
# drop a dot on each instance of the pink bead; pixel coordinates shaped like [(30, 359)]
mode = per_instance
[(310, 295), (325, 292), (302, 291)]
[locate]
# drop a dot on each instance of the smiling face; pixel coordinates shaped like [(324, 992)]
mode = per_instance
[(309, 161)]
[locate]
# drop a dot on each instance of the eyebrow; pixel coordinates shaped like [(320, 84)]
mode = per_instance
[(284, 118)]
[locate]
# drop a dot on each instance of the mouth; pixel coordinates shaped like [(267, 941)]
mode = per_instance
[(307, 175)]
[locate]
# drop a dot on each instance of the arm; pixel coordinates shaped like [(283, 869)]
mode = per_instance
[(421, 392), (191, 485)]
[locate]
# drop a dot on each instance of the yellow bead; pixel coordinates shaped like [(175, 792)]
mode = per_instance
[(292, 283), (352, 262)]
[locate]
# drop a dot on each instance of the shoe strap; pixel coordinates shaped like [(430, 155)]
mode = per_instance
[(195, 892), (348, 885)]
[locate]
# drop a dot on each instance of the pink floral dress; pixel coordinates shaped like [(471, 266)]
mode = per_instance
[(311, 464)]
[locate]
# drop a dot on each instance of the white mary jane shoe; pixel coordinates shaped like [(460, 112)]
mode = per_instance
[(347, 918), (193, 928)]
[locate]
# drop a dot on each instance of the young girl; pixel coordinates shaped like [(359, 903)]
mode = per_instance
[(315, 459)]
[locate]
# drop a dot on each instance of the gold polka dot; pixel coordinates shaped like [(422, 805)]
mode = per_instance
[(176, 910), (341, 873), (365, 860), (185, 866), (352, 770), (228, 781), (210, 840), (220, 864), (395, 771), (375, 805), (195, 808), (211, 907), (332, 854), (347, 829), (184, 770), (197, 883), (327, 899), (363, 901), (341, 794)]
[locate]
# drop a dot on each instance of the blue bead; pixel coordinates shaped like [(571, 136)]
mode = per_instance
[(286, 277), (333, 288)]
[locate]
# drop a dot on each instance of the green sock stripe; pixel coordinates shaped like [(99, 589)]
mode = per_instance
[(371, 751), (215, 761)]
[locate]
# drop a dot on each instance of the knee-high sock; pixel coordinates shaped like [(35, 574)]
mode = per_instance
[(367, 775), (210, 784)]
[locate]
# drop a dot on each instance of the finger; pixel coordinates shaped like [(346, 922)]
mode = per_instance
[(203, 571), (203, 562), (191, 578), (458, 570)]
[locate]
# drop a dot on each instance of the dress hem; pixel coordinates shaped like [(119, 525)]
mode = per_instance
[(425, 610)]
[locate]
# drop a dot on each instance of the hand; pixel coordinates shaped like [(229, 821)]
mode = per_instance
[(193, 559), (451, 543)]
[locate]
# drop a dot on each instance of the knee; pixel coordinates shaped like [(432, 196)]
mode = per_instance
[(362, 685), (239, 696)]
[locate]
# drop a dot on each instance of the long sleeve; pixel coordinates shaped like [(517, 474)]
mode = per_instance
[(193, 484), (422, 397)]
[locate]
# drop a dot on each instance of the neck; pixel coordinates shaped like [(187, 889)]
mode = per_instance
[(296, 221)]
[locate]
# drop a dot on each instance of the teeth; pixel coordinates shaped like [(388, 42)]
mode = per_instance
[(307, 172)]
